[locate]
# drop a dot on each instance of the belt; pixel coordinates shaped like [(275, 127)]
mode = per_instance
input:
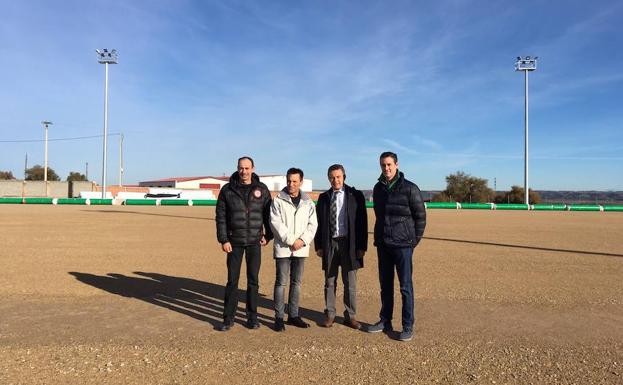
[(343, 237)]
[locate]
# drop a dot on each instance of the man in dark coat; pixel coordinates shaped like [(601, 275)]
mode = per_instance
[(242, 225), (341, 240), (399, 227)]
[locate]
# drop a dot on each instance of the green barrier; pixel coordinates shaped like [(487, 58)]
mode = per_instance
[(11, 200), (541, 207), (71, 201), (204, 202), (100, 202), (140, 202), (511, 206), (174, 202), (38, 201), (476, 206), (441, 205), (613, 208), (584, 208)]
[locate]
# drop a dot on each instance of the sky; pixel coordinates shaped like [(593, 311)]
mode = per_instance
[(311, 83)]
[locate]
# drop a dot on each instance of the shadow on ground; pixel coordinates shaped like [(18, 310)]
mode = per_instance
[(144, 213), (197, 299)]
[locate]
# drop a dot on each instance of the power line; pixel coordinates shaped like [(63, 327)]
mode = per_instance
[(58, 139)]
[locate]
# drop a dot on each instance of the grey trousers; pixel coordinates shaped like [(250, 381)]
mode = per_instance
[(340, 260), (288, 269)]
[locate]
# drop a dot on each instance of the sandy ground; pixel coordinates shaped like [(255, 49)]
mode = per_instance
[(131, 295)]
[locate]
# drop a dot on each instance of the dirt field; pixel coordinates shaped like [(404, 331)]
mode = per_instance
[(131, 295)]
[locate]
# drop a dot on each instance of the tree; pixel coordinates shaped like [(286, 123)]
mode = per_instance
[(516, 195), (37, 172), (6, 175), (462, 187), (75, 176)]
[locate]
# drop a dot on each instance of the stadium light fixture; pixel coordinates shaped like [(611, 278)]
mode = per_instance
[(526, 65), (105, 57), (45, 123)]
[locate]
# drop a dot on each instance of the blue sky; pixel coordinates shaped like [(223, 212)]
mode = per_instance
[(309, 84)]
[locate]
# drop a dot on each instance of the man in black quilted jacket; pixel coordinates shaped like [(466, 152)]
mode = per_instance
[(242, 225), (399, 227)]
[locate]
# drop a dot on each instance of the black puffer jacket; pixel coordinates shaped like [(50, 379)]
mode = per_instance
[(242, 220), (400, 214)]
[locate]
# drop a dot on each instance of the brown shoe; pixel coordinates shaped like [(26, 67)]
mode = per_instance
[(352, 323), (327, 322)]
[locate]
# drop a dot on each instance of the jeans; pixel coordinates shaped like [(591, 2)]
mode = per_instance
[(400, 258), (234, 261), (288, 269), (340, 260)]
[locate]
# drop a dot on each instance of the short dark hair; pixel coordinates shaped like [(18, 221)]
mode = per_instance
[(294, 170), (388, 154), (334, 167), (246, 157)]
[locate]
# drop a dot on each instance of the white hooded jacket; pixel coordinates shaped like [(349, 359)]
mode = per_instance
[(290, 223)]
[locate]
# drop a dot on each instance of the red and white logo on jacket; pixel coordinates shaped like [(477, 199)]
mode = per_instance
[(257, 193)]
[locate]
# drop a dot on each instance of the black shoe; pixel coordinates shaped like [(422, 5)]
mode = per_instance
[(225, 326), (298, 322), (279, 325), (253, 324)]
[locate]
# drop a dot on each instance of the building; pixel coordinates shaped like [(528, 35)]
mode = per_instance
[(273, 182)]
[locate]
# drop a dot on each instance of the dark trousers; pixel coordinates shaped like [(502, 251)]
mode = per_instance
[(234, 261), (400, 259), (339, 258)]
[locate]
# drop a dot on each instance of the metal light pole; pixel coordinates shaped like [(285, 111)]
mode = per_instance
[(45, 164), (105, 57), (526, 64), (121, 160)]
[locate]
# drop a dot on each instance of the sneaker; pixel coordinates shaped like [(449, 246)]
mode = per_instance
[(381, 326), (253, 324), (226, 325), (406, 335), (279, 325), (298, 322)]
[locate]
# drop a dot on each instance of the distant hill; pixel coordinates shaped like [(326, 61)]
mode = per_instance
[(550, 196), (595, 197)]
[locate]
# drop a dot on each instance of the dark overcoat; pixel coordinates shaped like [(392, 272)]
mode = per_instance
[(357, 225)]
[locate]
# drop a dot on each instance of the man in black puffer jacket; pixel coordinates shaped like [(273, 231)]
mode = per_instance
[(399, 227), (242, 225)]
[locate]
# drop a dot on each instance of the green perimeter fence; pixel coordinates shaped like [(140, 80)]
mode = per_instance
[(211, 202)]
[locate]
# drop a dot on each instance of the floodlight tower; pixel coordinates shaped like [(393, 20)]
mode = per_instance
[(45, 123), (105, 57), (526, 64)]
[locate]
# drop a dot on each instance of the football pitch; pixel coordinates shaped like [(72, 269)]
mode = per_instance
[(132, 295)]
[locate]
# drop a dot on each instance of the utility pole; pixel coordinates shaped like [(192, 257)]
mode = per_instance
[(45, 167), (121, 160)]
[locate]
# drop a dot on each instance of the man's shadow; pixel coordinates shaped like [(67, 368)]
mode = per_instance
[(197, 299)]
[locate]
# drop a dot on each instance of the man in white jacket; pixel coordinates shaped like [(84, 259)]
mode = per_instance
[(293, 222)]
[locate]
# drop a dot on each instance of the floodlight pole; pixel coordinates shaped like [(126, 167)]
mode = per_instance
[(526, 64), (45, 156), (105, 57), (525, 167)]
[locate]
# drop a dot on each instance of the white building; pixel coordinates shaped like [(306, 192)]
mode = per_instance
[(273, 182)]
